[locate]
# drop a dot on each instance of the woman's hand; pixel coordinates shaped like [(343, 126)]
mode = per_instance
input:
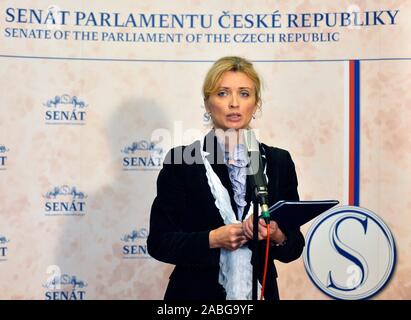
[(276, 234), (230, 237)]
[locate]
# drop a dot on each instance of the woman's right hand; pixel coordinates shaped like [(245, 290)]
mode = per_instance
[(230, 237)]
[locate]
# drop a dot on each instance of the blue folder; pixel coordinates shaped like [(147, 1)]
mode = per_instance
[(293, 214)]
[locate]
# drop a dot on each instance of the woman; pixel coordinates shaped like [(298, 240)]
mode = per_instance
[(200, 219)]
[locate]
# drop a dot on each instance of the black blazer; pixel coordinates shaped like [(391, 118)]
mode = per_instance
[(183, 214)]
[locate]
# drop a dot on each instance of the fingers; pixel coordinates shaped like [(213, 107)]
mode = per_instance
[(262, 228), (235, 237), (262, 231), (237, 244), (239, 233), (236, 229), (248, 229), (244, 241), (273, 225)]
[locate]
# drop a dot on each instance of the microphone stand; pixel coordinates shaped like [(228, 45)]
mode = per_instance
[(259, 198), (258, 183), (255, 247)]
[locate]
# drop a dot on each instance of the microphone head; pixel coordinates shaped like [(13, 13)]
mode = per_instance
[(255, 169), (250, 141), (252, 152)]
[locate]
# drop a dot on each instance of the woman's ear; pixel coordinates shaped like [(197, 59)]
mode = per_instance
[(256, 107)]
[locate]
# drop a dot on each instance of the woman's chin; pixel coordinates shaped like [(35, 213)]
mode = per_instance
[(235, 125)]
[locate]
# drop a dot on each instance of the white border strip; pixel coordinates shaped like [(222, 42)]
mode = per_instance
[(346, 145)]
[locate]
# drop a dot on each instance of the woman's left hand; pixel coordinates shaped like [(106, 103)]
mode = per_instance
[(276, 234)]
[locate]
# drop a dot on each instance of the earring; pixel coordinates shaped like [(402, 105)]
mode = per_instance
[(207, 116), (253, 115)]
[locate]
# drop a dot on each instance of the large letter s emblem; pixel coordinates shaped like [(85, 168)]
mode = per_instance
[(358, 271)]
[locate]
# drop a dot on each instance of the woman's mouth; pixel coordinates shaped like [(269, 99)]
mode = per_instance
[(234, 117)]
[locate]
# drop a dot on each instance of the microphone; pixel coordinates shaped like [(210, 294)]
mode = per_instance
[(255, 172)]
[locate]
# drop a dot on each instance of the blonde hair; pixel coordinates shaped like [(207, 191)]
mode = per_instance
[(231, 63)]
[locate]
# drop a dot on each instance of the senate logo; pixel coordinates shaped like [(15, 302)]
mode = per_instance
[(3, 248), (350, 253), (135, 244), (65, 110), (63, 286), (3, 157), (142, 155), (65, 201)]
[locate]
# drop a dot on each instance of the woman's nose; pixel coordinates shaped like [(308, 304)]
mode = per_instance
[(234, 101)]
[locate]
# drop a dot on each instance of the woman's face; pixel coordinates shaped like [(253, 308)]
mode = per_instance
[(233, 104)]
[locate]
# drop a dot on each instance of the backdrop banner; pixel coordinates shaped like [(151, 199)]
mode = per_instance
[(95, 93)]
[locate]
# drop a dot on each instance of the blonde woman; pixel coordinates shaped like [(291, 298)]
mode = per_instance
[(200, 219)]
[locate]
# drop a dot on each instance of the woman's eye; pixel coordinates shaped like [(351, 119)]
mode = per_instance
[(222, 93), (245, 93)]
